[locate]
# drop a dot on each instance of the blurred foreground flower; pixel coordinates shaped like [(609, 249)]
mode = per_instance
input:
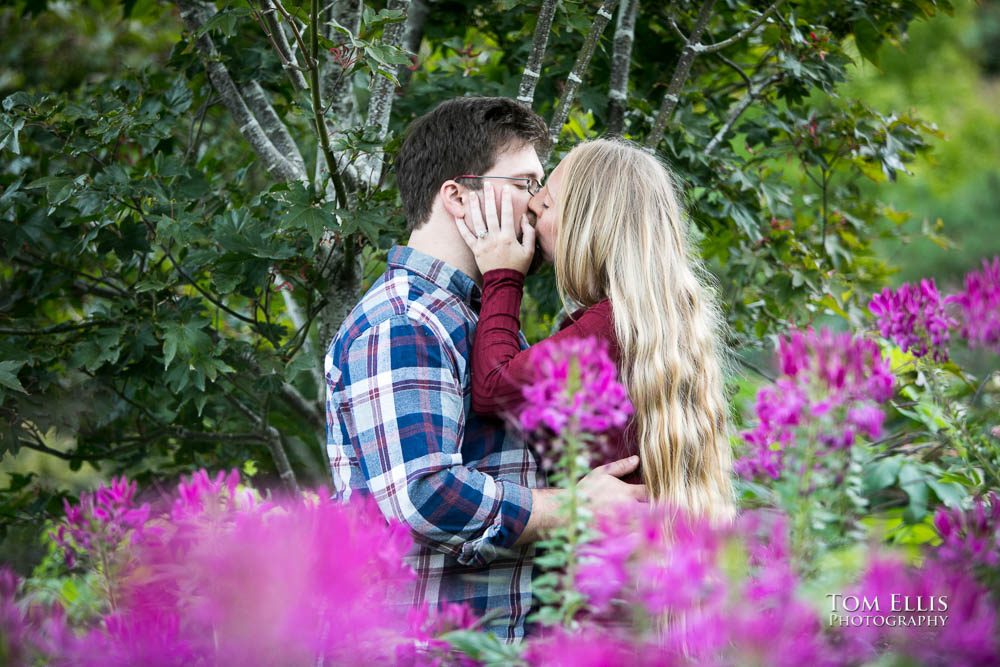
[(222, 578)]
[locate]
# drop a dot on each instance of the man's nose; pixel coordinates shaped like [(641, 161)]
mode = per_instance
[(534, 210)]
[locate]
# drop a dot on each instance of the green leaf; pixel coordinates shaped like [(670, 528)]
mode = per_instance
[(949, 493), (913, 481), (314, 218), (8, 375), (188, 338), (9, 134), (882, 474), (867, 39)]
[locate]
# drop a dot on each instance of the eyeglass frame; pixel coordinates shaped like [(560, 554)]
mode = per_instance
[(532, 186)]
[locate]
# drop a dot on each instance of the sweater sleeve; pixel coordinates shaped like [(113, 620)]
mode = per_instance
[(500, 369)]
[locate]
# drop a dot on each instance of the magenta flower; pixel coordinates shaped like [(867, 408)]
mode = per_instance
[(576, 387), (592, 648), (30, 633), (423, 647), (979, 306), (101, 521), (223, 579), (970, 537), (892, 608), (832, 383), (914, 318)]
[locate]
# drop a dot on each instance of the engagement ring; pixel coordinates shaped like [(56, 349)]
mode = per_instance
[(481, 235)]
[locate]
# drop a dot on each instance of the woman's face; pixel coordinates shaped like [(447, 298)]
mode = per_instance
[(543, 205)]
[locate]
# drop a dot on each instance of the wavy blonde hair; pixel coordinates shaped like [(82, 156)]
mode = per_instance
[(623, 236)]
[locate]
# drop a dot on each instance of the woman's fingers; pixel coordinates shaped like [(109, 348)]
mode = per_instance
[(527, 236), (506, 212), (490, 208), (467, 236), (475, 215)]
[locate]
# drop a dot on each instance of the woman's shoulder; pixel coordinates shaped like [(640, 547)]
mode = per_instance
[(592, 320)]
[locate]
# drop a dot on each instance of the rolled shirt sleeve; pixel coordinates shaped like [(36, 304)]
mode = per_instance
[(404, 394)]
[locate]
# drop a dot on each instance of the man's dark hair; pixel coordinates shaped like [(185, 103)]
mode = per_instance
[(461, 136)]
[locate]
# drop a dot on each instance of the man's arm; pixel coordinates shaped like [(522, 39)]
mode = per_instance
[(406, 407), (601, 487)]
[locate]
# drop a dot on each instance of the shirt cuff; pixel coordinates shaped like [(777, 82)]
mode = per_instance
[(503, 276), (500, 536)]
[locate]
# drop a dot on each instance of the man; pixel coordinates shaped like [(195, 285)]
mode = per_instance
[(400, 427)]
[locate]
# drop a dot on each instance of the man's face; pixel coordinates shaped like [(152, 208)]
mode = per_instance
[(542, 208), (521, 162)]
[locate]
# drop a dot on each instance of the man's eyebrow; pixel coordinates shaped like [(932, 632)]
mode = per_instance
[(530, 174)]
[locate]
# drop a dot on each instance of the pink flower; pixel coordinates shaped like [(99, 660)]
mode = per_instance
[(979, 306), (889, 590), (914, 317), (222, 579), (101, 521), (576, 387), (831, 383), (592, 648), (970, 537)]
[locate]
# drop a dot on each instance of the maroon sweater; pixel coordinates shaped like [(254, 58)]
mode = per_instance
[(500, 368)]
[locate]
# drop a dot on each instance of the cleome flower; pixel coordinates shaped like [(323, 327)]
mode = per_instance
[(832, 384), (914, 317)]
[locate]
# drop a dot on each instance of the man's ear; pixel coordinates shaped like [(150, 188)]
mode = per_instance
[(453, 198)]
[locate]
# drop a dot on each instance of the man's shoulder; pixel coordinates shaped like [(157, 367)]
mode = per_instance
[(398, 300)]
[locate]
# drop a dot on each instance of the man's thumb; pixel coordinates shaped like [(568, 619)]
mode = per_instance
[(622, 467)]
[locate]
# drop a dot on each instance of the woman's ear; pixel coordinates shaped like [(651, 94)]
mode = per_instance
[(453, 197)]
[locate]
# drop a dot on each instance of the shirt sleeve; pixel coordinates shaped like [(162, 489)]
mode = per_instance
[(500, 368), (405, 397)]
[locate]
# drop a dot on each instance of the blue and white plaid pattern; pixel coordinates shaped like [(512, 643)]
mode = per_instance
[(400, 428)]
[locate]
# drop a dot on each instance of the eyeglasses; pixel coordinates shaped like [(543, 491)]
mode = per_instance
[(530, 184)]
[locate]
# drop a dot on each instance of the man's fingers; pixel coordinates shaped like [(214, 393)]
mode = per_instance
[(621, 467)]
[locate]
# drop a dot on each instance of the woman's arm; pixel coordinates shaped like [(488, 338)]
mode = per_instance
[(500, 369)]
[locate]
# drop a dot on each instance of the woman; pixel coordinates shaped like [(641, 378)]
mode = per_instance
[(610, 219)]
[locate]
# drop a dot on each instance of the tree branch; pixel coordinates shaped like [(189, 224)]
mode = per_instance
[(533, 70), (413, 34), (274, 443), (322, 130), (742, 34), (739, 70), (195, 15), (279, 40), (275, 129), (380, 103), (752, 94), (575, 77), (57, 328), (621, 60), (681, 72)]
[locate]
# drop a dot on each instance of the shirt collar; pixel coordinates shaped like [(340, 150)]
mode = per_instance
[(443, 275)]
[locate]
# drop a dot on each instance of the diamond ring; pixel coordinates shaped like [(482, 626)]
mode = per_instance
[(481, 235)]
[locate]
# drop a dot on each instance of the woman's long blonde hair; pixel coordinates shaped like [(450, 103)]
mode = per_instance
[(623, 236)]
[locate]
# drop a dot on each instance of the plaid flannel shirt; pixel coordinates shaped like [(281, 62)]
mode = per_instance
[(400, 429)]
